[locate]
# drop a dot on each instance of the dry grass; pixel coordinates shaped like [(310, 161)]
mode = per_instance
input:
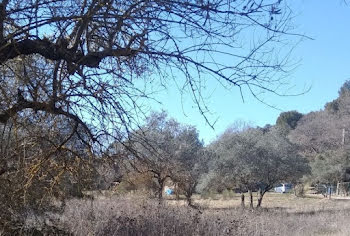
[(285, 214), (288, 202), (282, 214)]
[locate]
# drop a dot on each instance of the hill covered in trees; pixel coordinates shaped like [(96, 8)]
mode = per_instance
[(323, 138)]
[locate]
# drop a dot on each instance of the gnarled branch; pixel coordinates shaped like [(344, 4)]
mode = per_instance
[(39, 106), (57, 52)]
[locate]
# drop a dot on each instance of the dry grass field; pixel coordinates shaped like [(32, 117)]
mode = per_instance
[(272, 201), (286, 214), (281, 214)]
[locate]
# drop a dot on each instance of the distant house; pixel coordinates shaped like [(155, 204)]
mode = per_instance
[(283, 188)]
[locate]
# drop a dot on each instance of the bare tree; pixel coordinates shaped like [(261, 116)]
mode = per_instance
[(41, 159), (88, 66), (88, 62), (94, 53)]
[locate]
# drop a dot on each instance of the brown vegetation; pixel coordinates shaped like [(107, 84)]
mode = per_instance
[(78, 77), (284, 214)]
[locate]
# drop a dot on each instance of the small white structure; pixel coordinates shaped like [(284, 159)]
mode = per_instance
[(283, 188)]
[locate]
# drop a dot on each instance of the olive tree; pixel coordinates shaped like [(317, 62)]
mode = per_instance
[(277, 161), (93, 63), (169, 151), (256, 160)]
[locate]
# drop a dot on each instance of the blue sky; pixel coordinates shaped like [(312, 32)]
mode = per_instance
[(324, 66)]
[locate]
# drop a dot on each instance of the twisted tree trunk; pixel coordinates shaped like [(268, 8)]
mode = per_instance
[(251, 204), (242, 200)]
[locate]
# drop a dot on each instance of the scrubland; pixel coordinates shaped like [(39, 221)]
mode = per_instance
[(281, 214)]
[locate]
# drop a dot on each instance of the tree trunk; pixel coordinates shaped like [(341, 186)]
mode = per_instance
[(242, 200), (251, 204), (161, 183), (188, 194), (189, 190), (190, 203), (260, 197), (177, 194), (189, 200)]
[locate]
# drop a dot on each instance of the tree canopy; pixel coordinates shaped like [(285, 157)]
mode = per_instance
[(253, 159), (323, 138), (167, 150), (287, 121)]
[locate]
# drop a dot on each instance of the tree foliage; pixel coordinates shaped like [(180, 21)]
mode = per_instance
[(331, 167), (253, 159), (323, 137), (341, 105), (287, 121), (168, 150), (317, 132)]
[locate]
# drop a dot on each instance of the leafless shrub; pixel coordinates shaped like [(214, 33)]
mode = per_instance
[(139, 216), (299, 190), (130, 215)]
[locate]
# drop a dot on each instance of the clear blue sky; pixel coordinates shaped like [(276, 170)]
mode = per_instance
[(324, 65)]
